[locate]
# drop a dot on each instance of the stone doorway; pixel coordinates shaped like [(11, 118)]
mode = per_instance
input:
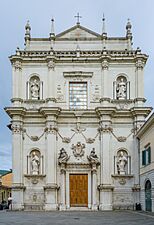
[(78, 190)]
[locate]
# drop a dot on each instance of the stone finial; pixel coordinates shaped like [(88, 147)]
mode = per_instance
[(104, 34), (128, 29), (52, 34), (27, 29)]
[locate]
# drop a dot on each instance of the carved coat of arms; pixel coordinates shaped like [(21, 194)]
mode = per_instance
[(78, 149)]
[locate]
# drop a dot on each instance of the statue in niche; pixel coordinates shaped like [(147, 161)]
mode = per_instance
[(63, 156), (121, 163), (35, 163), (35, 89), (121, 89), (93, 158)]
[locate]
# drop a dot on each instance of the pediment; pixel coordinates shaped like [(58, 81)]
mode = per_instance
[(78, 32)]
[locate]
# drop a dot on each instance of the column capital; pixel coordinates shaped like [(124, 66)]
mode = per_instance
[(51, 64), (105, 129), (140, 63), (52, 112), (16, 128), (51, 129)]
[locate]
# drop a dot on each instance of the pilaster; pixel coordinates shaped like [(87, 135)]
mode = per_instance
[(105, 95), (17, 75), (51, 187), (51, 78), (105, 186), (139, 78)]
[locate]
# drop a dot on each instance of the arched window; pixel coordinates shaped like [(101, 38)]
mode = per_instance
[(122, 162), (121, 88), (35, 163), (34, 88), (148, 200)]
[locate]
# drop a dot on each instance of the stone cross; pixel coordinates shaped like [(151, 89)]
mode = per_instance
[(78, 18)]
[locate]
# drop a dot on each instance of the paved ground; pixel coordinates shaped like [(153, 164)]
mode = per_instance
[(76, 218)]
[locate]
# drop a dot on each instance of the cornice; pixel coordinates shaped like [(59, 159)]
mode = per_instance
[(100, 111), (79, 74), (71, 56), (50, 111), (142, 111), (15, 111)]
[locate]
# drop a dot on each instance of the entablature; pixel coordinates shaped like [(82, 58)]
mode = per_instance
[(66, 56)]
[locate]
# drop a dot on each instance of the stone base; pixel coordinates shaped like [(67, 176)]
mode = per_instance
[(17, 207), (123, 207), (94, 207), (62, 207), (50, 207), (33, 207), (103, 207)]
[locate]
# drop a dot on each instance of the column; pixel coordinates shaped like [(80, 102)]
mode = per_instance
[(17, 165), (51, 185), (104, 79), (106, 181), (94, 187), (62, 188), (139, 79), (51, 79), (17, 82)]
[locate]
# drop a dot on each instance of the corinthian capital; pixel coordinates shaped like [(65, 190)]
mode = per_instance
[(105, 64), (105, 129), (17, 65), (51, 65), (140, 64), (51, 130), (16, 128)]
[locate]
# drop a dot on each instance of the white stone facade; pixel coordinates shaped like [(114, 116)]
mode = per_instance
[(52, 141)]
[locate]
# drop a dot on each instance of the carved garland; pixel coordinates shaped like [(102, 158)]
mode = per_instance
[(54, 130), (119, 138)]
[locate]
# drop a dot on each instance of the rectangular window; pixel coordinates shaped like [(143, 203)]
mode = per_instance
[(78, 95), (146, 156)]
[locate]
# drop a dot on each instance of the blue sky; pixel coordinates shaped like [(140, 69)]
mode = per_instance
[(15, 13)]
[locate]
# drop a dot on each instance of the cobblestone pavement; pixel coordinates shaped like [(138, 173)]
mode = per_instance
[(76, 218)]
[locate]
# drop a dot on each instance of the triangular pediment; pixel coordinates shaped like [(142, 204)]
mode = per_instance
[(77, 32)]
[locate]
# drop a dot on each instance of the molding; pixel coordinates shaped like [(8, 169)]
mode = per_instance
[(70, 56), (127, 176), (15, 111), (105, 187), (51, 187), (34, 176), (78, 74), (142, 111), (18, 187), (50, 111)]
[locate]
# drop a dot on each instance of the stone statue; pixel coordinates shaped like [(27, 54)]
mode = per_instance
[(121, 163), (35, 89), (121, 89), (63, 156), (93, 158), (35, 163)]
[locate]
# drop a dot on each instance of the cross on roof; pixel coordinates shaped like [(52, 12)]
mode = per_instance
[(78, 18)]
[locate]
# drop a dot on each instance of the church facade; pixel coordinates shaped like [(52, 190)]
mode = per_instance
[(77, 104)]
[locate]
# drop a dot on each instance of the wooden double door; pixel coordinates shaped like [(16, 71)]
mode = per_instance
[(78, 190)]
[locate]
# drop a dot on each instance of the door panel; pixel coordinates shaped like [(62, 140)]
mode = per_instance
[(79, 190)]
